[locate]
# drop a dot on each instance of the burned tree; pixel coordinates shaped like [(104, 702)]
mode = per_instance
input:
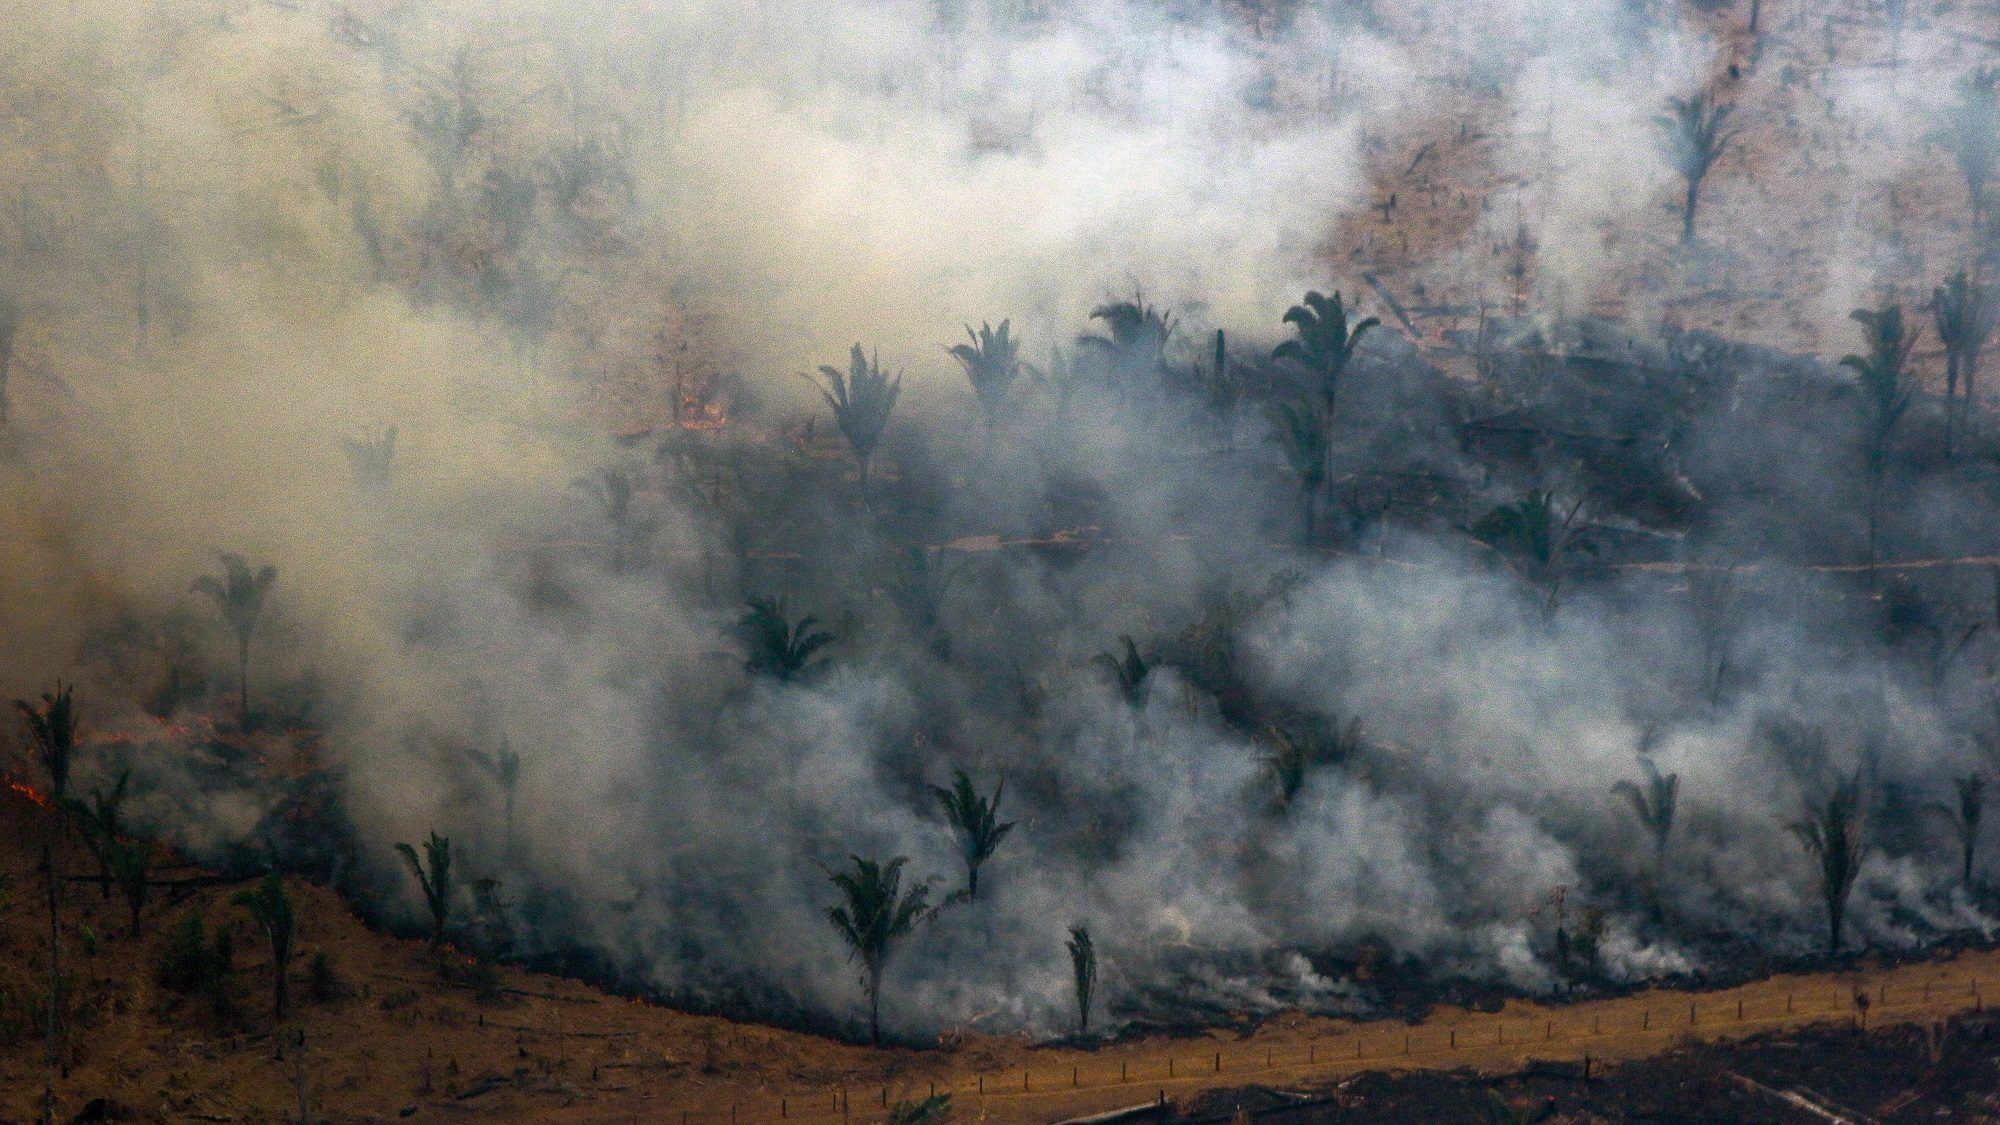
[(1083, 970), (1694, 134), (271, 908), (99, 822), (776, 648), (1834, 835), (861, 400), (992, 362), (875, 915), (975, 822), (1959, 310), (239, 594), (1654, 804), (132, 866), (1301, 433), (1886, 391), (1965, 820), (52, 728), (433, 875), (1128, 673)]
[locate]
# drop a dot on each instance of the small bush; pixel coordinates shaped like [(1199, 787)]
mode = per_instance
[(190, 963), (323, 982)]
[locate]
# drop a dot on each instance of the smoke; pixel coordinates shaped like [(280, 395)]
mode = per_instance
[(241, 236)]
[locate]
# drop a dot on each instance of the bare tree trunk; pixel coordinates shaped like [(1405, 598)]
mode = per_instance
[(243, 679), (1687, 213)]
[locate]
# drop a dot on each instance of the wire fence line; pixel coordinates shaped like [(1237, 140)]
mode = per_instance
[(1558, 1037)]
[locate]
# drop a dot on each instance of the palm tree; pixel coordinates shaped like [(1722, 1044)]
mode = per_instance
[(876, 915), (1325, 343), (992, 362), (613, 492), (239, 593), (99, 822), (433, 875), (271, 908), (777, 648), (1654, 804), (1300, 431), (1970, 131), (1128, 672), (1694, 134), (862, 401), (1959, 309), (1083, 967), (1536, 534), (372, 460), (52, 726), (1965, 818), (975, 820), (1886, 392), (1139, 334), (1834, 834), (1294, 752), (504, 767)]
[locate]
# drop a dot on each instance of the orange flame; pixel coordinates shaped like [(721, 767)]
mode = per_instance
[(31, 793)]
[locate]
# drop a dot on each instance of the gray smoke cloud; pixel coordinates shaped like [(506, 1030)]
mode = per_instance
[(241, 235)]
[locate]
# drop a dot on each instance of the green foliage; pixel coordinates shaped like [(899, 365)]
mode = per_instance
[(1654, 804), (189, 963), (1694, 134), (271, 908), (992, 363), (52, 728), (98, 822), (433, 875), (1834, 834), (1325, 342), (975, 820), (1128, 673), (861, 400), (775, 647), (933, 1110), (875, 915), (239, 592), (1886, 388), (1083, 973)]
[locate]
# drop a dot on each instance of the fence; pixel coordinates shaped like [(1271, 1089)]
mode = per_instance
[(1570, 1035)]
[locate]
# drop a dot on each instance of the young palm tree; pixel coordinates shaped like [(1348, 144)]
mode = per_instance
[(1963, 320), (777, 648), (1083, 968), (975, 820), (1694, 134), (1834, 834), (876, 915), (271, 908), (992, 362), (862, 401), (99, 822), (1300, 431), (1536, 534), (1139, 333), (239, 593), (1654, 804), (1970, 131), (1128, 672), (52, 726), (1325, 343), (1886, 392), (433, 875)]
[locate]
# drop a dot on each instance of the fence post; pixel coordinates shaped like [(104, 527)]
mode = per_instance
[(1024, 1081), (1122, 1077), (1739, 1007), (1218, 1062), (1074, 1080), (1406, 1042), (1788, 1003), (1690, 1013), (1551, 1033), (1170, 1066), (1646, 1020), (1593, 1026), (1454, 1039)]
